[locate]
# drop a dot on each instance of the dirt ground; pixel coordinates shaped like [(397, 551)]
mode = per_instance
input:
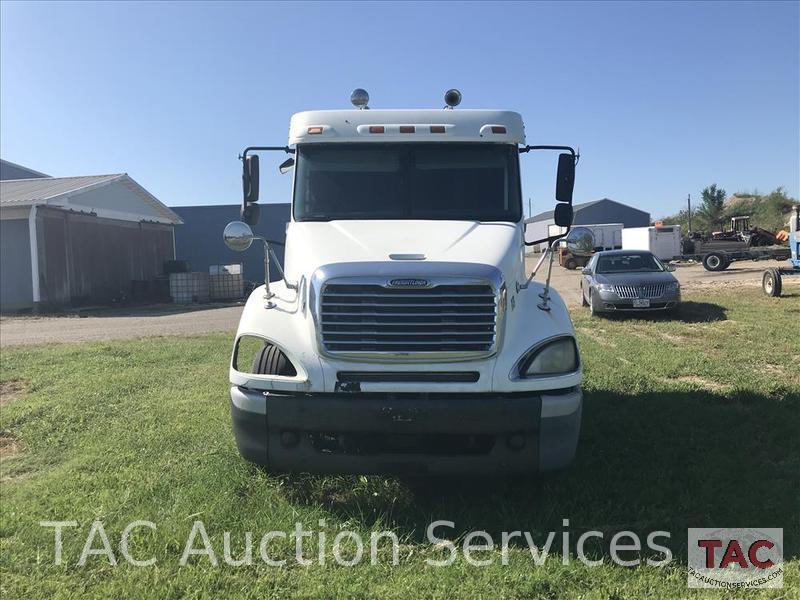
[(171, 320)]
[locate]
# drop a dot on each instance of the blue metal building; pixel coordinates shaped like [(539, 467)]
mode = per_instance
[(199, 239), (589, 213)]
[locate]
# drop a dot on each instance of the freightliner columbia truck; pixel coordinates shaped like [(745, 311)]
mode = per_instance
[(404, 334)]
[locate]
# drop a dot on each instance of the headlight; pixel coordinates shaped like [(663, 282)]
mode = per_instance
[(605, 287), (673, 286), (557, 357)]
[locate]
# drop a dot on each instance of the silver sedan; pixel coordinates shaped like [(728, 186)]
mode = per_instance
[(628, 280)]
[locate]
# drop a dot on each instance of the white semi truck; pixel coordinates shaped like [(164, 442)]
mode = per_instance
[(405, 334)]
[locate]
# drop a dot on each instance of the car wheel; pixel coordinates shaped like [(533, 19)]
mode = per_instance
[(714, 261), (592, 310), (583, 298), (771, 282)]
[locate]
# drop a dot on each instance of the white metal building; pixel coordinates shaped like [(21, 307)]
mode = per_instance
[(78, 240)]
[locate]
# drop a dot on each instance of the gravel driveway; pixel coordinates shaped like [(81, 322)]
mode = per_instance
[(115, 324), (171, 320)]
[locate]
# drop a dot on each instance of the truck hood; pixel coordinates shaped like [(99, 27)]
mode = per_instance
[(313, 244)]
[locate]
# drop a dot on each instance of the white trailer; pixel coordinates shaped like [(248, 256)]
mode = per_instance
[(664, 242), (607, 236)]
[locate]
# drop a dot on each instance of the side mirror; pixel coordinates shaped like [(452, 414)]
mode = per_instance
[(286, 165), (562, 215), (238, 236), (250, 178), (251, 213), (250, 210), (565, 178), (586, 271)]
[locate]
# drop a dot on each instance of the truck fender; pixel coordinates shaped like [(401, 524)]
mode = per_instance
[(526, 326), (286, 325)]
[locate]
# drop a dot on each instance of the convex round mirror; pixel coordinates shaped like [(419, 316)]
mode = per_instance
[(238, 236), (580, 241)]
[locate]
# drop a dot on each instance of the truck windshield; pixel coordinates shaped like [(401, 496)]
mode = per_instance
[(628, 263), (461, 182)]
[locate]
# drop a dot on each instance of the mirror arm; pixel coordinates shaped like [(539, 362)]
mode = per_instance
[(550, 239), (269, 252), (551, 243), (570, 149), (286, 149), (576, 156), (245, 175), (291, 286)]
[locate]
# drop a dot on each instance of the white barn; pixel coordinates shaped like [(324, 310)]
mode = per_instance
[(78, 240)]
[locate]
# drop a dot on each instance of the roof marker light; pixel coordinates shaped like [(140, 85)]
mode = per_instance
[(452, 98), (359, 98), (376, 129), (498, 129), (437, 128), (314, 130), (407, 129)]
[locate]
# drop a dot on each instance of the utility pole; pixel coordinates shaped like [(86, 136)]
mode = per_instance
[(689, 201)]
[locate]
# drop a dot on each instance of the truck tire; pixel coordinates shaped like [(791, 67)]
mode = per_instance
[(714, 261), (271, 361), (570, 264), (771, 282)]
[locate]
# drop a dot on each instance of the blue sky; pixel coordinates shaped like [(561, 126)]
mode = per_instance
[(662, 99)]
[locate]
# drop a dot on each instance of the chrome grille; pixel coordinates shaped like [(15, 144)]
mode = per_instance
[(374, 318), (656, 290)]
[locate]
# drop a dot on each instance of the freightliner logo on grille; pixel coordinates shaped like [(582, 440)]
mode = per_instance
[(417, 283)]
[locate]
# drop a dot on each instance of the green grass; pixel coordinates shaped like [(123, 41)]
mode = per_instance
[(687, 423)]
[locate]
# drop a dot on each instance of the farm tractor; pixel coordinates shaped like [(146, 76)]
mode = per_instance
[(716, 251), (753, 236), (772, 280)]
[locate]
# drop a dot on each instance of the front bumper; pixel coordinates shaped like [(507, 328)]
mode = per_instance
[(609, 301), (492, 433)]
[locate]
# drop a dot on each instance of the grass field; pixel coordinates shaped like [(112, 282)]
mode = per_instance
[(691, 422)]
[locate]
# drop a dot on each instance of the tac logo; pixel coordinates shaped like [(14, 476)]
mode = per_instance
[(735, 558)]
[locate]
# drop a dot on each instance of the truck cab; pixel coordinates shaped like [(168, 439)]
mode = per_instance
[(404, 333)]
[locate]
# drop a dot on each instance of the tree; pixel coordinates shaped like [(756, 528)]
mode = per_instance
[(769, 211), (712, 206), (681, 218)]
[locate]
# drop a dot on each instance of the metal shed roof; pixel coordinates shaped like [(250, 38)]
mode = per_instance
[(548, 214), (10, 170), (59, 191)]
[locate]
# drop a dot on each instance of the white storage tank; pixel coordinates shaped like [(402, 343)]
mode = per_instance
[(607, 236), (225, 282), (664, 242), (186, 288)]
